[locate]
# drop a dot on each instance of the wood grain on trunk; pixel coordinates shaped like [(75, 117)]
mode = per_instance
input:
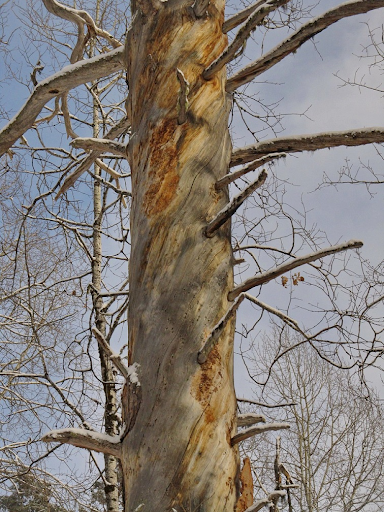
[(178, 453)]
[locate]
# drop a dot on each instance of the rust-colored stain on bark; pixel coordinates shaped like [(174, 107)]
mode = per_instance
[(202, 386), (163, 174), (246, 498)]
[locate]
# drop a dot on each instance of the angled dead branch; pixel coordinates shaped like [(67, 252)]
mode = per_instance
[(258, 429), (311, 142), (67, 78), (85, 439), (227, 212), (105, 145), (232, 51), (213, 338), (258, 505), (268, 406), (182, 105), (115, 358), (238, 18), (246, 420), (293, 42), (229, 178), (200, 7), (267, 276)]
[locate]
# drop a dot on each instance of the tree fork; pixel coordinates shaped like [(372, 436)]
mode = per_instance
[(178, 454)]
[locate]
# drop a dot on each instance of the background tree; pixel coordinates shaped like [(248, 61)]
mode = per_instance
[(178, 436), (334, 448)]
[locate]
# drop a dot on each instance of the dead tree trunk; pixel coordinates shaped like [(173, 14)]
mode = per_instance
[(178, 453)]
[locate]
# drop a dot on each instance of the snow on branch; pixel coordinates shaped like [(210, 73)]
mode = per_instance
[(82, 19), (115, 358), (118, 129), (227, 212), (248, 419), (85, 439), (311, 142), (294, 41), (229, 178), (267, 276), (265, 502), (232, 51), (238, 18), (106, 145), (258, 429), (67, 78), (217, 330), (289, 321)]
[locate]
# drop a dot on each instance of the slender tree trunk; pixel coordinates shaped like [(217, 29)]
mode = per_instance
[(110, 408), (178, 453)]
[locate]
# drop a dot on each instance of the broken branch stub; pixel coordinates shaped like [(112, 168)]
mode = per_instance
[(227, 212), (259, 429), (213, 338)]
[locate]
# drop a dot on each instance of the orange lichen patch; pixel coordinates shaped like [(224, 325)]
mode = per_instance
[(163, 174), (246, 498)]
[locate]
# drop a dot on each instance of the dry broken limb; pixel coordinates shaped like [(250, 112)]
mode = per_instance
[(311, 142), (226, 213), (303, 34), (267, 276), (231, 52), (258, 429)]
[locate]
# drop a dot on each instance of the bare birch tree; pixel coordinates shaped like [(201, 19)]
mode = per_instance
[(158, 93), (334, 448)]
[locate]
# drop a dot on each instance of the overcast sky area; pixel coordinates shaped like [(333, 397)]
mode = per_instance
[(307, 83)]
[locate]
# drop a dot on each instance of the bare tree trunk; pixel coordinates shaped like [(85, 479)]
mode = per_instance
[(110, 408), (178, 453)]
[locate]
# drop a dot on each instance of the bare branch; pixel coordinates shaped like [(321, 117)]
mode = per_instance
[(293, 42), (85, 439), (213, 338), (311, 142), (90, 143), (229, 178), (258, 429), (119, 128), (67, 78), (227, 212), (238, 18), (273, 311), (115, 358), (268, 406), (246, 420), (232, 51), (267, 276)]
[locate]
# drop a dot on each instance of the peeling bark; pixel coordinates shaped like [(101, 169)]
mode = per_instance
[(246, 498), (178, 453)]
